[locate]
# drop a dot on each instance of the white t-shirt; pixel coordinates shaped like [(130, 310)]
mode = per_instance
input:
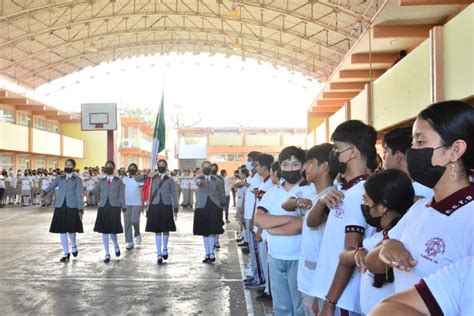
[(345, 218), (452, 288), (310, 244), (227, 185), (370, 295), (132, 191), (240, 196), (435, 234), (250, 200), (2, 182), (280, 247), (266, 185), (90, 183), (26, 183), (186, 182), (421, 190), (45, 182)]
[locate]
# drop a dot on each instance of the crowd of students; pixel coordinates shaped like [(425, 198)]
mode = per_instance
[(334, 231)]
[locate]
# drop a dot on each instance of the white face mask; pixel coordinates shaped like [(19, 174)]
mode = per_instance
[(248, 165)]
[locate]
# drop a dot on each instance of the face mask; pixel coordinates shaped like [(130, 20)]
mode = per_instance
[(291, 176), (109, 170), (206, 171), (248, 165), (68, 170), (335, 164), (132, 171), (420, 167), (214, 171), (54, 173), (161, 169), (372, 221)]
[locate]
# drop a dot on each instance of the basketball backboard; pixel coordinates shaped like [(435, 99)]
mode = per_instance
[(99, 116)]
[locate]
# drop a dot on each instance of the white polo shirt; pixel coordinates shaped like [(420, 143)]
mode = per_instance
[(421, 190), (436, 234), (346, 218), (250, 200), (450, 290), (240, 196), (370, 295), (266, 185), (132, 191)]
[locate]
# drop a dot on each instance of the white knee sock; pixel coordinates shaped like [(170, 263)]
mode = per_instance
[(206, 245), (64, 243), (114, 239), (158, 244), (166, 237), (105, 240), (244, 233), (212, 244), (217, 239), (72, 238)]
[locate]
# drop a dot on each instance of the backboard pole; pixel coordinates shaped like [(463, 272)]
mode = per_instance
[(110, 145)]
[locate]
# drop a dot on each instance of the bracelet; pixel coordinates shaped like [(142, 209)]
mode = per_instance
[(329, 301), (358, 249)]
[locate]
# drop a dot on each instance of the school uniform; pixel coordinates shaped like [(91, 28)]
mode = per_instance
[(26, 190), (131, 217), (112, 201), (185, 183), (435, 233), (47, 198), (67, 209), (2, 189), (208, 213)]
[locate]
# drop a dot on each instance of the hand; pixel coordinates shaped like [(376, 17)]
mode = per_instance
[(251, 226), (332, 199), (394, 254), (315, 307), (258, 237), (304, 203), (151, 174), (327, 310), (359, 258)]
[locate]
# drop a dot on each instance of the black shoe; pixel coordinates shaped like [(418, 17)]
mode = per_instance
[(239, 239), (264, 297), (159, 261), (65, 258), (117, 252), (243, 244), (212, 259), (107, 259), (75, 253), (206, 260), (217, 246), (245, 250), (165, 256)]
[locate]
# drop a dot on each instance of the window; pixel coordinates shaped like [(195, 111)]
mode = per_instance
[(40, 123), (7, 115), (24, 119), (133, 132), (52, 162), (39, 162), (234, 157), (53, 127), (6, 161), (194, 140), (23, 162), (226, 157)]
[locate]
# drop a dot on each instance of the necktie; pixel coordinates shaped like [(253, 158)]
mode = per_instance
[(109, 182), (208, 182)]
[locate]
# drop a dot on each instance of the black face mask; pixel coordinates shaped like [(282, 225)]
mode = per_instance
[(291, 176), (206, 171), (132, 172), (420, 167), (161, 169), (109, 170), (68, 170), (334, 162), (214, 171), (372, 221)]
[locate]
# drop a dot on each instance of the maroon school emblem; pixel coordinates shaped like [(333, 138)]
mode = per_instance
[(435, 246), (339, 211)]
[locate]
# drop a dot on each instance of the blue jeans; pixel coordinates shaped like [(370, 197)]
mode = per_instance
[(253, 255), (284, 287)]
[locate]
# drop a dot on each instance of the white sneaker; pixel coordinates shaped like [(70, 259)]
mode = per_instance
[(129, 246), (138, 239)]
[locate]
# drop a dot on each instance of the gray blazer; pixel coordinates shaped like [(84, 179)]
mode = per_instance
[(115, 193), (214, 191), (69, 190), (166, 193)]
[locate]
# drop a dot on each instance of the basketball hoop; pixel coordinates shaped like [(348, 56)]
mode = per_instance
[(100, 116)]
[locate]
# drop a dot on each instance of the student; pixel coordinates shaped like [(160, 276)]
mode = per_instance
[(133, 201), (338, 282), (45, 182), (284, 232), (387, 196), (68, 208), (435, 231), (239, 184), (112, 199), (320, 174), (227, 186), (208, 213), (3, 176), (395, 145), (445, 292), (263, 165), (162, 209)]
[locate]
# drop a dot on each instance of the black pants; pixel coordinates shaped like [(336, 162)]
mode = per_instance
[(2, 190), (226, 208)]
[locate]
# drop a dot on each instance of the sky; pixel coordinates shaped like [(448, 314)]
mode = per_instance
[(206, 91)]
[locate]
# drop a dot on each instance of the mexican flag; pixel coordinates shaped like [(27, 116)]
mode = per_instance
[(158, 134)]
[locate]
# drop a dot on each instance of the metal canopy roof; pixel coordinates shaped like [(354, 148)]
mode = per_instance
[(42, 40)]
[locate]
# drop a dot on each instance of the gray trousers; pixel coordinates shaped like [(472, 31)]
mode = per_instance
[(131, 218)]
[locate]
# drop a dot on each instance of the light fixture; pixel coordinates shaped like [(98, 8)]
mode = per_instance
[(92, 48), (236, 45), (233, 13)]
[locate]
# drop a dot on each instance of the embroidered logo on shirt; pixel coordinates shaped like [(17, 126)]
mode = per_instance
[(339, 211), (434, 247)]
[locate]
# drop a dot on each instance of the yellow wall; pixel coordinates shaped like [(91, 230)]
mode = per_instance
[(46, 143), (225, 139), (458, 41), (403, 91), (95, 145), (336, 119), (263, 140), (311, 139), (14, 137), (298, 140), (314, 122), (359, 107), (73, 147), (321, 134)]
